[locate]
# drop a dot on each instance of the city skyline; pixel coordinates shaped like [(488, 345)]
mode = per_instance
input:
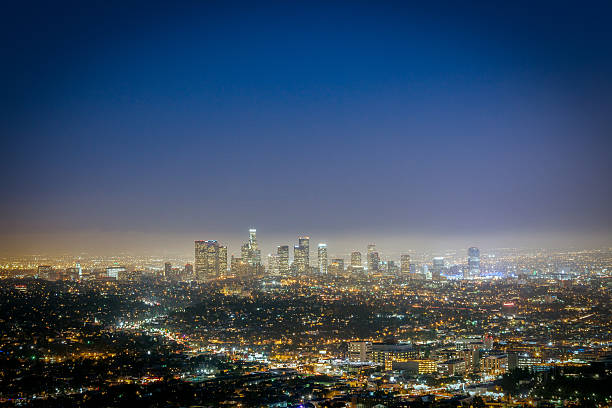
[(347, 204)]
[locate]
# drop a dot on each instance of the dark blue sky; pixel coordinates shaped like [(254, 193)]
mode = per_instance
[(349, 121)]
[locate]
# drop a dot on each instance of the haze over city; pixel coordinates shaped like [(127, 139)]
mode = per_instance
[(131, 127)]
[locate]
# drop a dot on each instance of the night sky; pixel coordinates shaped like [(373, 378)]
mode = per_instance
[(142, 126)]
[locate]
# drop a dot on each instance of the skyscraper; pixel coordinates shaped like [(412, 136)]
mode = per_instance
[(210, 258), (272, 264), (222, 261), (355, 259), (373, 258), (336, 266), (438, 266), (405, 265), (322, 258), (167, 269), (282, 254), (301, 254), (474, 261), (250, 250), (239, 267)]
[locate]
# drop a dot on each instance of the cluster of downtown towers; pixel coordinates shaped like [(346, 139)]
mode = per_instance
[(211, 261)]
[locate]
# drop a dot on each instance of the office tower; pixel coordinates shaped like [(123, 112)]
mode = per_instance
[(272, 264), (426, 272), (373, 258), (389, 267), (405, 264), (250, 250), (239, 267), (301, 254), (188, 271), (222, 260), (167, 270), (336, 266), (474, 261), (322, 258), (282, 254), (210, 258), (355, 259), (256, 253), (438, 266)]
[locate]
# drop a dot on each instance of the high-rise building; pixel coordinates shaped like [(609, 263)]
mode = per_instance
[(272, 264), (222, 261), (355, 259), (426, 272), (336, 266), (405, 265), (250, 250), (210, 259), (474, 261), (438, 266), (188, 271), (373, 258), (239, 267), (282, 254), (322, 256), (301, 254), (167, 270)]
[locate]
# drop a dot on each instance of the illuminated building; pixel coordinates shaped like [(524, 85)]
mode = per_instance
[(474, 261), (45, 271), (452, 367), (272, 264), (250, 250), (495, 364), (405, 264), (426, 272), (210, 260), (167, 269), (386, 354), (356, 259), (360, 351), (389, 267), (336, 266), (373, 258), (322, 256), (282, 258), (438, 266), (222, 260), (115, 272), (301, 254), (414, 367), (239, 267), (523, 360), (188, 271)]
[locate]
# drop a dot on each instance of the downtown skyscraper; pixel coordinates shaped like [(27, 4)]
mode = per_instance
[(322, 257), (282, 259), (373, 258), (473, 262), (301, 254), (405, 265), (249, 251), (210, 260)]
